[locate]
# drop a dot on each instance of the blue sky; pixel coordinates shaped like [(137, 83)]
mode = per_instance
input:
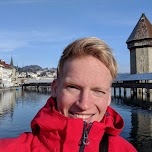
[(35, 32)]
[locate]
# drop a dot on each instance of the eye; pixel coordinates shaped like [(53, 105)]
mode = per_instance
[(72, 88), (99, 92)]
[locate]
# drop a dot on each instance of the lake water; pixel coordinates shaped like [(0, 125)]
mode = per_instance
[(17, 109)]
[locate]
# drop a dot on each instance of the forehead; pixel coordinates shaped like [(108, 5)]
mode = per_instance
[(85, 61), (86, 68)]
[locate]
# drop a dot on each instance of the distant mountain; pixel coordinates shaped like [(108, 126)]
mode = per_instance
[(29, 68)]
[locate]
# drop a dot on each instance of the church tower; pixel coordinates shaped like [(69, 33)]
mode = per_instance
[(140, 45), (11, 63)]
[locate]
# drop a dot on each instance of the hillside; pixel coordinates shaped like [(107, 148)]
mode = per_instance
[(29, 68)]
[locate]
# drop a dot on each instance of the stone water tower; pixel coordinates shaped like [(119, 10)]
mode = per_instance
[(140, 45)]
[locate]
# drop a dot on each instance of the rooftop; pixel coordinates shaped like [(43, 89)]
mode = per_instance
[(142, 30), (133, 77)]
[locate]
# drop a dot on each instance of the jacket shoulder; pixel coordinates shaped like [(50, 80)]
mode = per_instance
[(117, 144), (26, 142), (16, 144)]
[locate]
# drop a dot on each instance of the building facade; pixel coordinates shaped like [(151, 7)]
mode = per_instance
[(7, 75)]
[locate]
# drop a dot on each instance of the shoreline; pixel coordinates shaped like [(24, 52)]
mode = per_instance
[(10, 88)]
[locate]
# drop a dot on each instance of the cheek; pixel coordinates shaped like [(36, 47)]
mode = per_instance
[(102, 105), (64, 100)]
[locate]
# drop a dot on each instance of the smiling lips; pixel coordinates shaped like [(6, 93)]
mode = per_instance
[(82, 116)]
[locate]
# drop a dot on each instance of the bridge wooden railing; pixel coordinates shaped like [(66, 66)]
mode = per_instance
[(132, 85)]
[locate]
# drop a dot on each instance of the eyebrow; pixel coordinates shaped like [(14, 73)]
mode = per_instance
[(71, 82), (92, 88), (102, 89)]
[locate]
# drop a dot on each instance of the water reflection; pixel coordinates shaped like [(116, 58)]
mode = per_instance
[(7, 102), (142, 131), (138, 122), (15, 118), (140, 99), (17, 109)]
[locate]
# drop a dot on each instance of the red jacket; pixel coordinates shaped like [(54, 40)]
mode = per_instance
[(53, 132)]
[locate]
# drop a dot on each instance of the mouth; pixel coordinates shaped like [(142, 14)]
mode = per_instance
[(85, 117)]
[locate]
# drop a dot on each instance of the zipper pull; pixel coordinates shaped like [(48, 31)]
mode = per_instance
[(84, 140)]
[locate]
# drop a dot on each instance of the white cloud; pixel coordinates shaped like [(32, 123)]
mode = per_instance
[(11, 45), (12, 40)]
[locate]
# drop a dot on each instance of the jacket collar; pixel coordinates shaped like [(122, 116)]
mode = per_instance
[(49, 119)]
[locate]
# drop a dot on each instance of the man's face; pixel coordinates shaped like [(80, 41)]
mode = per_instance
[(84, 89)]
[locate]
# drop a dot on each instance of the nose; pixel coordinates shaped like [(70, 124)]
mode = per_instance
[(85, 101)]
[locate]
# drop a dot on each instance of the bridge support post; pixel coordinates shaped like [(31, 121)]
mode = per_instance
[(38, 88), (148, 94), (120, 91), (124, 92), (114, 91)]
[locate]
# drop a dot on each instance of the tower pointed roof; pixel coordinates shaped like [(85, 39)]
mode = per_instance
[(11, 63), (142, 30)]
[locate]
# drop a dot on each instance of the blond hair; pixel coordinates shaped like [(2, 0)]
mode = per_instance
[(89, 46)]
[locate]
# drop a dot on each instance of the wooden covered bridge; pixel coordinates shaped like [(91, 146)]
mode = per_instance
[(138, 83), (38, 85)]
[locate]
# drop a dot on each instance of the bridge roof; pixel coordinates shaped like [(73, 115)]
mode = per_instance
[(133, 77), (39, 81)]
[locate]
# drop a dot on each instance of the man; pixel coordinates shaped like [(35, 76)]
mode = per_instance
[(77, 118)]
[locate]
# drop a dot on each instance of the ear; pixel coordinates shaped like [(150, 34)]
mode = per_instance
[(54, 88)]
